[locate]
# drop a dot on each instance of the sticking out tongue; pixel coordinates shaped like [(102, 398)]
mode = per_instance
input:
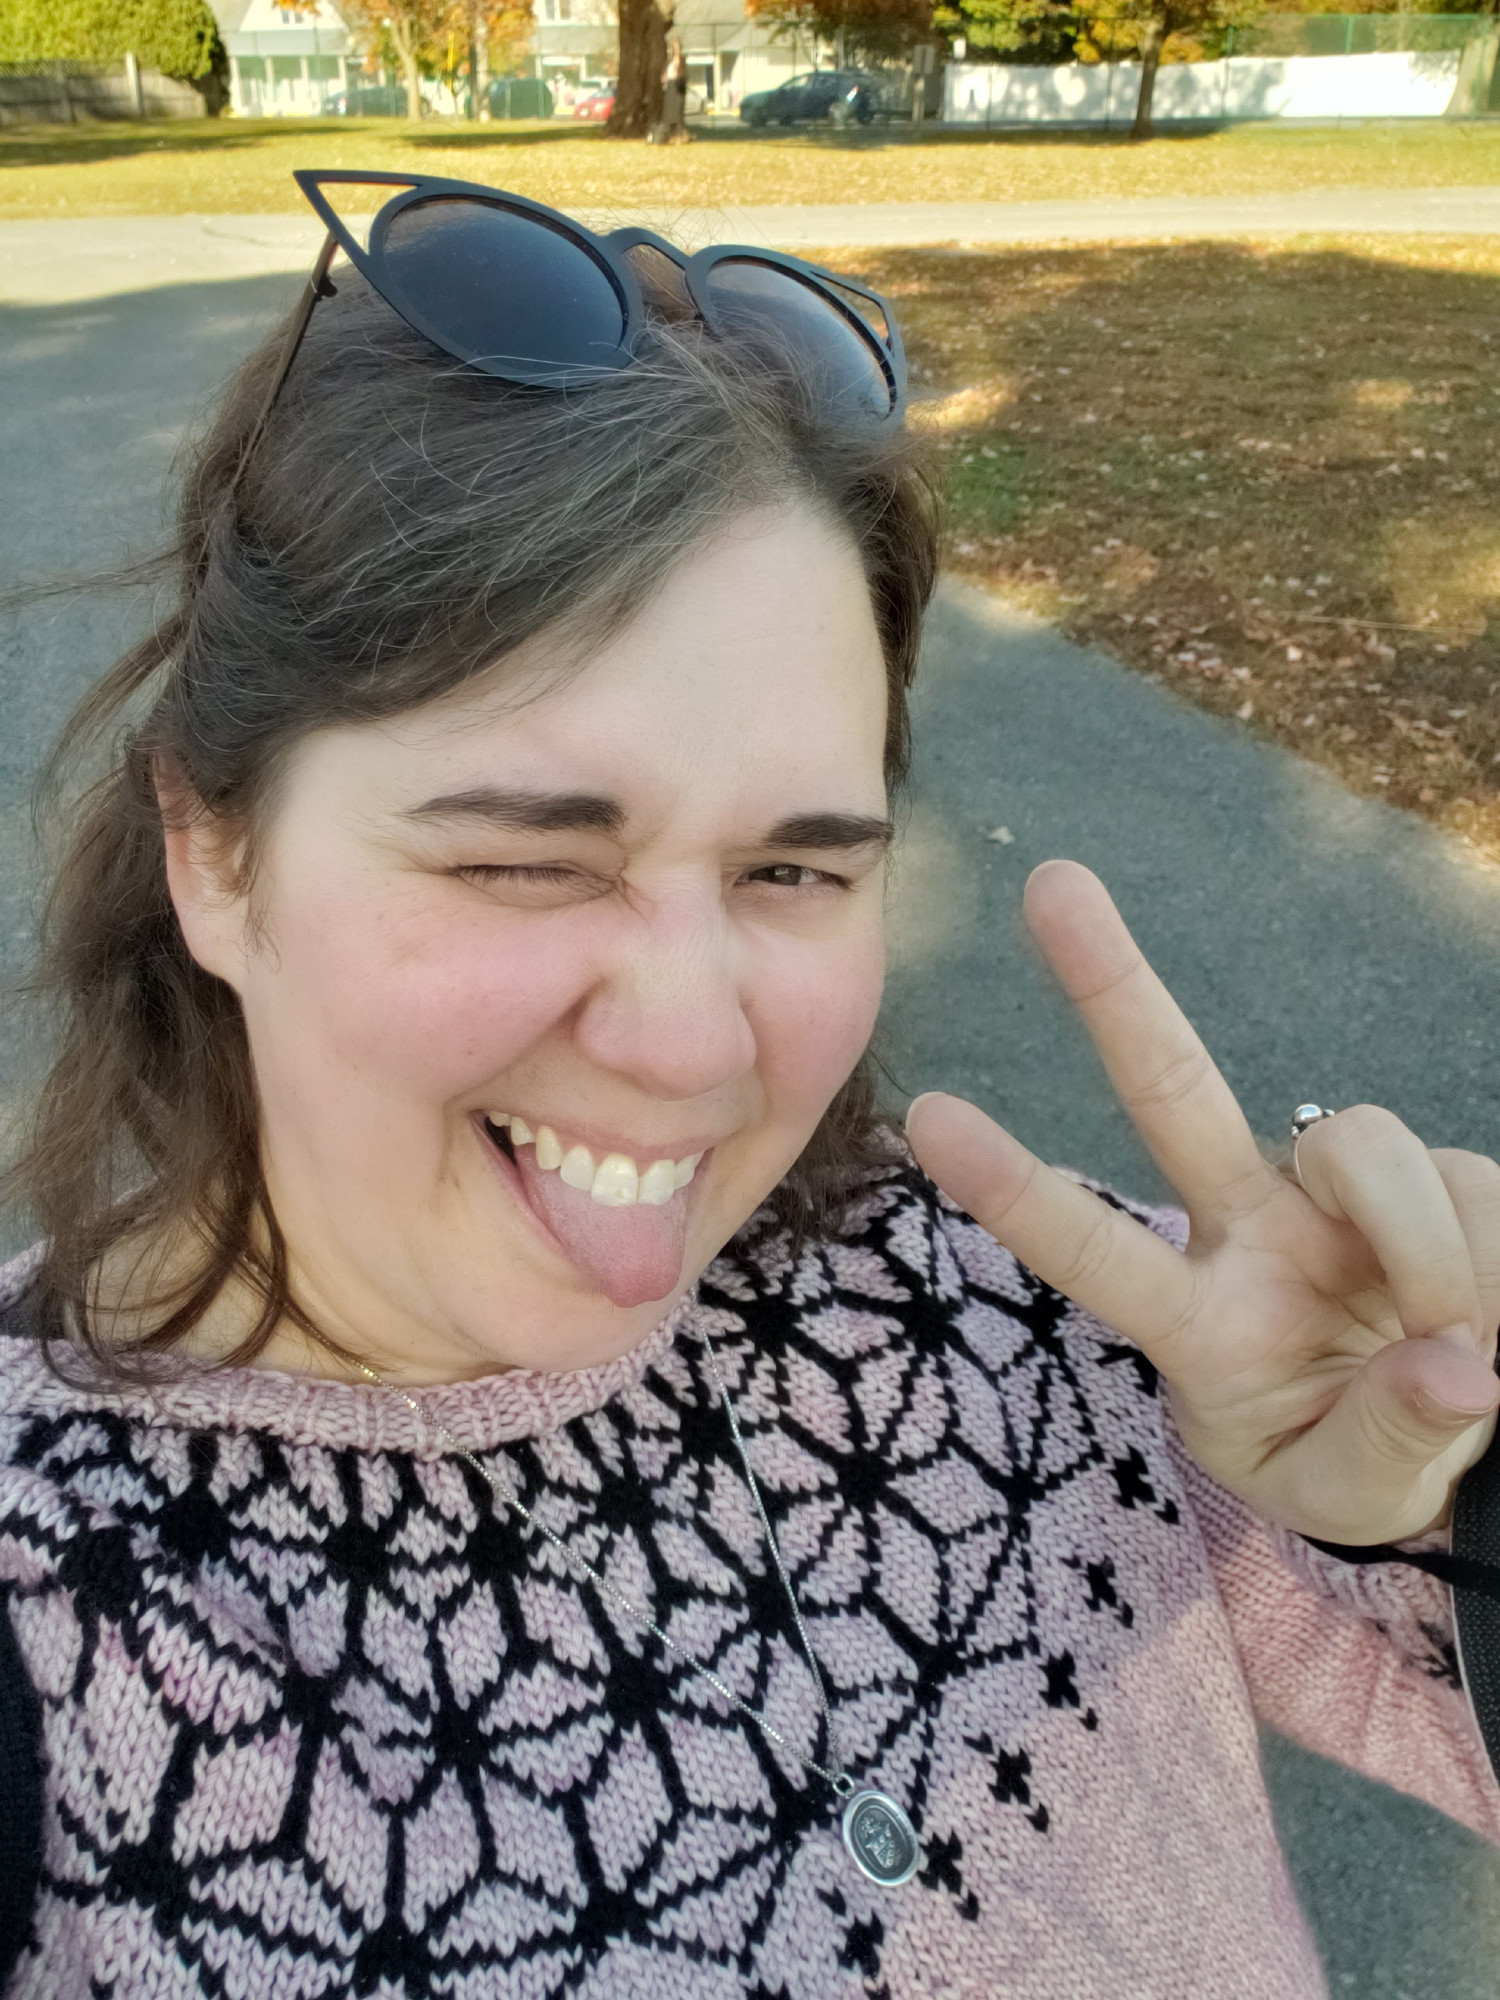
[(632, 1255)]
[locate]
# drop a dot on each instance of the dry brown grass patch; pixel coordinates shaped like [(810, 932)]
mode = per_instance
[(1266, 475)]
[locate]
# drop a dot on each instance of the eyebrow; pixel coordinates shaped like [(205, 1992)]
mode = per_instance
[(525, 811), (521, 811), (831, 830)]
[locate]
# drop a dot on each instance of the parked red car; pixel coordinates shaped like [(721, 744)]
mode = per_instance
[(595, 108)]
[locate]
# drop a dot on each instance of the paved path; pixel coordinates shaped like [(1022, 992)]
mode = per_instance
[(91, 257), (1324, 944), (1327, 946)]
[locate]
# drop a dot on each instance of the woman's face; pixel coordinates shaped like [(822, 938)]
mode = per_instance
[(518, 968)]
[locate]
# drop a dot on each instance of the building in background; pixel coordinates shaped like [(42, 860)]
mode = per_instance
[(293, 62), (575, 42), (284, 62)]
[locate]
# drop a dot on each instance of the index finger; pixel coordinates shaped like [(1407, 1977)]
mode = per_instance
[(1105, 1261), (1183, 1109)]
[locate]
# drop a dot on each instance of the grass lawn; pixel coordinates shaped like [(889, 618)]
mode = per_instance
[(1267, 476), (243, 166)]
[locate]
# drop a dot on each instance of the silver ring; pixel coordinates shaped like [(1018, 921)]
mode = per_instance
[(1304, 1116)]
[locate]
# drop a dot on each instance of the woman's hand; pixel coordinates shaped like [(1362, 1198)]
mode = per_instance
[(1329, 1353)]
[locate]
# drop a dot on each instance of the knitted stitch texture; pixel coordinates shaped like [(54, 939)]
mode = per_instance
[(320, 1717)]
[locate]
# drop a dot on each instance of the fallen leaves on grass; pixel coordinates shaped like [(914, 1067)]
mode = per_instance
[(1264, 475)]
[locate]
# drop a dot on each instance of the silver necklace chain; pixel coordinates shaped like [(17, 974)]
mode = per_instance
[(837, 1777)]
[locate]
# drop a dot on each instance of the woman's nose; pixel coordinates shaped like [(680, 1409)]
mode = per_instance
[(669, 1012)]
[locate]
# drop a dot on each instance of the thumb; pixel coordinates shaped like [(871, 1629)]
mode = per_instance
[(1408, 1406)]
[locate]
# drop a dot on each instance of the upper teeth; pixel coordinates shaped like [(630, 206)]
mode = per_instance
[(615, 1181)]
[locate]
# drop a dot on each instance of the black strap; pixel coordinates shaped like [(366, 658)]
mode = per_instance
[(20, 1798), (1472, 1567), (1464, 1572), (1476, 1611)]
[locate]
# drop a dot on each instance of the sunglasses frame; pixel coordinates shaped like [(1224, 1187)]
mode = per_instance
[(607, 253)]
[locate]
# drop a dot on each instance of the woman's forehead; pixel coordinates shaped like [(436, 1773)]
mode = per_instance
[(756, 670)]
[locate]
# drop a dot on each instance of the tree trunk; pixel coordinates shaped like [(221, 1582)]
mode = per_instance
[(415, 106), (1152, 37), (643, 57), (479, 67), (404, 41)]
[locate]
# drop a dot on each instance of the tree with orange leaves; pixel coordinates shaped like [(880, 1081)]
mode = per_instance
[(440, 37)]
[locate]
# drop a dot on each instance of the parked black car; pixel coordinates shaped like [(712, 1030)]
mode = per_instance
[(367, 100), (842, 96)]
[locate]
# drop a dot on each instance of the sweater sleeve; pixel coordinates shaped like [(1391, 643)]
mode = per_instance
[(1355, 1662)]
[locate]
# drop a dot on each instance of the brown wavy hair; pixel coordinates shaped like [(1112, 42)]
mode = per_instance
[(400, 527)]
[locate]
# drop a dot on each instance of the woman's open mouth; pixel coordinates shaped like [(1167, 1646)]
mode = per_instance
[(621, 1223)]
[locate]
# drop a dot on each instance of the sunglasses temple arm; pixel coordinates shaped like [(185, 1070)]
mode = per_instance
[(317, 287)]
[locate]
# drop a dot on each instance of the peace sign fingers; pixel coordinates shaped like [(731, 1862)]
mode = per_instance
[(1328, 1348), (1184, 1110)]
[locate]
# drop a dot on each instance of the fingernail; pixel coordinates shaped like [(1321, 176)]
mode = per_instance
[(1450, 1413), (923, 1098)]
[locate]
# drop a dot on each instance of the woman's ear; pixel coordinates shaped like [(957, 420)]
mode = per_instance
[(204, 876)]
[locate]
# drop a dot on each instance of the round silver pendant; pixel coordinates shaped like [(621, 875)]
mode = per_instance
[(881, 1839)]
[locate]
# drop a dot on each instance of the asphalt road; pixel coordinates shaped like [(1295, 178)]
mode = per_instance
[(80, 257), (1325, 946)]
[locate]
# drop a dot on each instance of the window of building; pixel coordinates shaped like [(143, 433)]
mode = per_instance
[(286, 69), (322, 69), (252, 69)]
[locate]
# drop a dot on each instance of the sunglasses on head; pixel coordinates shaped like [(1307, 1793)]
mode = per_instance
[(521, 292)]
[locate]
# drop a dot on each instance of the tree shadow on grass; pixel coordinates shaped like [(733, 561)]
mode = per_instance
[(1265, 474), (876, 139), (71, 145), (47, 145)]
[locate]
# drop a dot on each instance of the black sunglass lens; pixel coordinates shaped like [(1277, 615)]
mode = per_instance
[(751, 297), (503, 287)]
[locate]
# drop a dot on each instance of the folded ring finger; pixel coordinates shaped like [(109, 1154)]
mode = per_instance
[(1473, 1184), (1366, 1168)]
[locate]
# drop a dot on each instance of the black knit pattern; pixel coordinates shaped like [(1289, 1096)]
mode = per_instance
[(386, 1744)]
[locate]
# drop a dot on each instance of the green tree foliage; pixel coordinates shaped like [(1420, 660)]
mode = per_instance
[(862, 29), (1019, 30), (178, 37)]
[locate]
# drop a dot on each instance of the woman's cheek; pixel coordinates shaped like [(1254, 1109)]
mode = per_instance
[(820, 1019), (455, 1001)]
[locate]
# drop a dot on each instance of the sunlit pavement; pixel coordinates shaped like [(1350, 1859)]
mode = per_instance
[(75, 257), (1326, 946)]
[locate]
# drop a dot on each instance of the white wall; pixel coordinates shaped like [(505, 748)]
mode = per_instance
[(1410, 85)]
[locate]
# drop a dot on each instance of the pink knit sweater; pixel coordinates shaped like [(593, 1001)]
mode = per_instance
[(319, 1718)]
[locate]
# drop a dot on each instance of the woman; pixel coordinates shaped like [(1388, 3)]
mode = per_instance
[(513, 1480), (673, 131)]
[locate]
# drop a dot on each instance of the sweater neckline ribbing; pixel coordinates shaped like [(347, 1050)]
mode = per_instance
[(360, 1416)]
